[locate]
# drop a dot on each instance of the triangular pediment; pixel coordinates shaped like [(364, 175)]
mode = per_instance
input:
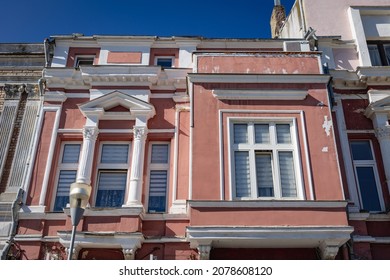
[(117, 105)]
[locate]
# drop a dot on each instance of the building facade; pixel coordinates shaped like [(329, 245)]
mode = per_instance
[(202, 148), (355, 47), (195, 149), (20, 102)]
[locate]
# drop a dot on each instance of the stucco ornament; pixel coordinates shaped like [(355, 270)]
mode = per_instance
[(14, 91), (32, 91), (140, 132), (90, 133)]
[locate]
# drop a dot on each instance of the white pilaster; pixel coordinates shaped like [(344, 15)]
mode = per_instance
[(328, 251), (84, 171), (129, 254), (382, 131), (137, 166)]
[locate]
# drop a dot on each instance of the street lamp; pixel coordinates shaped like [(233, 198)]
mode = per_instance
[(78, 200)]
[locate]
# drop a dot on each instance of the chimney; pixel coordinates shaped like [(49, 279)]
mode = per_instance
[(278, 17)]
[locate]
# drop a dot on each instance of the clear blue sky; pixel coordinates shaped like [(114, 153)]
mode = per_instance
[(33, 21)]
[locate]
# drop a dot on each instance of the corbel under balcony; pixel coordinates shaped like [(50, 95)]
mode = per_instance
[(259, 78)]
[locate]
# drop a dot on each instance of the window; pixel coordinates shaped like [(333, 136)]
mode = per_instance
[(112, 174), (264, 158), (164, 61), (379, 53), (366, 175), (69, 159), (158, 177), (84, 60)]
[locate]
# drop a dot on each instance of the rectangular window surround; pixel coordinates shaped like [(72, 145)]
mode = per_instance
[(366, 175), (66, 173), (264, 159), (158, 175), (113, 172)]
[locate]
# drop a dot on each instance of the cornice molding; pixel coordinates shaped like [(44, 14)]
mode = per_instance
[(267, 204), (246, 94), (259, 78)]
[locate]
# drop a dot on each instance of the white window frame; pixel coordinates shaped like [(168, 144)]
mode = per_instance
[(165, 57), (116, 167), (78, 57), (367, 163), (275, 148), (65, 166), (157, 166)]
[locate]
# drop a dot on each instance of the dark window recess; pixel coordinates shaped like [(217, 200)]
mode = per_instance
[(81, 61), (379, 52), (164, 62)]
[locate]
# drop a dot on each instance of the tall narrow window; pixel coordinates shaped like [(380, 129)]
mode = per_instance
[(264, 160), (158, 177), (366, 175), (112, 175), (67, 173)]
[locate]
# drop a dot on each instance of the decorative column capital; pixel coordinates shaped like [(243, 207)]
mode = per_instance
[(33, 91), (204, 252), (140, 132), (383, 132), (90, 132)]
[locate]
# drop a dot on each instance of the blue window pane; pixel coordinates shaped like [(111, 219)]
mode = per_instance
[(164, 62), (361, 150), (111, 189), (368, 189), (157, 190), (110, 198), (66, 178)]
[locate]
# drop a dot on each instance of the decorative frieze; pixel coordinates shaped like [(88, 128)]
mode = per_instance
[(14, 91)]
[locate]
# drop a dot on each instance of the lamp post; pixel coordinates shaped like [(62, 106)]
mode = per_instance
[(78, 200)]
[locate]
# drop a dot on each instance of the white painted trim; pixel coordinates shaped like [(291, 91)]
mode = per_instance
[(175, 154), (259, 78), (61, 166), (346, 153), (369, 217), (268, 204), (70, 130), (112, 167), (221, 158), (360, 131), (77, 95), (50, 155), (166, 240), (373, 165), (370, 239), (162, 130), (268, 236), (30, 213), (161, 95), (164, 217), (83, 239), (154, 166), (33, 153), (357, 29), (247, 94), (308, 164)]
